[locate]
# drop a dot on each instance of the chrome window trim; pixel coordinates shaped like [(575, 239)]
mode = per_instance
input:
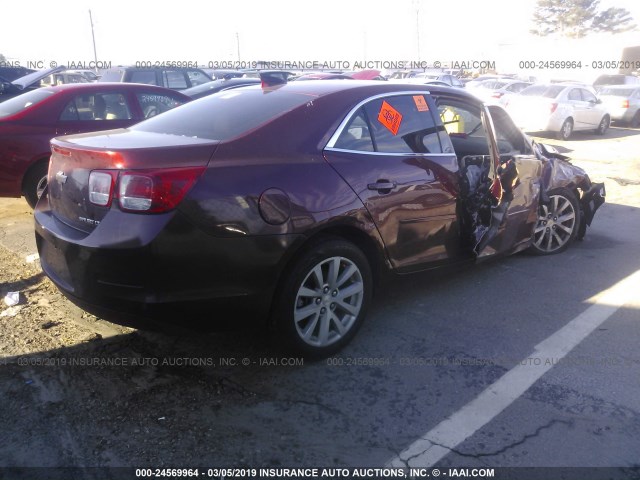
[(334, 138), (385, 154)]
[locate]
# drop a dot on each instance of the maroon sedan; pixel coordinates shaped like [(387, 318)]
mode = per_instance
[(284, 204), (28, 123)]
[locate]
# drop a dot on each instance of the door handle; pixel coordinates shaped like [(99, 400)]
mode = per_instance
[(383, 186)]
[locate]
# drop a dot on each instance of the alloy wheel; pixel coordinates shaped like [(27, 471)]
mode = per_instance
[(557, 222), (328, 301)]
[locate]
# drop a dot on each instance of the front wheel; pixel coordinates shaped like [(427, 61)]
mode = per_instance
[(324, 298), (558, 223)]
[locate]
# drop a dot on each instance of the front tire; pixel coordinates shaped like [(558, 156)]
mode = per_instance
[(558, 223), (35, 181), (324, 298), (566, 130)]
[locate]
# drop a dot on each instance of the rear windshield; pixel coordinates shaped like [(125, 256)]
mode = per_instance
[(24, 101), (618, 92), (547, 91), (224, 115)]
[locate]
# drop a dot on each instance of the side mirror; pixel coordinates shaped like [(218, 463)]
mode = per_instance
[(598, 101)]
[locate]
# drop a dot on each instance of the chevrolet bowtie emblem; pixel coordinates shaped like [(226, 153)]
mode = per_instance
[(61, 177)]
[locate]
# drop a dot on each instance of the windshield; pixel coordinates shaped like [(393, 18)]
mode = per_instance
[(23, 102), (224, 115), (547, 91)]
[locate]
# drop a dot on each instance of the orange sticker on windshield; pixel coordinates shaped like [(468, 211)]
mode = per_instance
[(421, 103), (390, 117)]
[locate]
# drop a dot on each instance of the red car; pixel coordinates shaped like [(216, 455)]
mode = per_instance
[(283, 205), (29, 121)]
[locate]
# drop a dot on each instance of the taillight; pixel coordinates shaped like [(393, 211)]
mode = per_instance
[(625, 103), (101, 185), (136, 192), (552, 107), (497, 94), (155, 191), (142, 191)]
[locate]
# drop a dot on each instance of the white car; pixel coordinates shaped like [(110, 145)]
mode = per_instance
[(562, 108), (497, 91), (429, 77)]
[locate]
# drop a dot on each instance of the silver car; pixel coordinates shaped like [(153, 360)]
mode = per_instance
[(498, 91), (623, 102), (562, 108)]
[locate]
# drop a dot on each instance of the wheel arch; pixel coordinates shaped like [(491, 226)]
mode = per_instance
[(39, 160), (372, 248)]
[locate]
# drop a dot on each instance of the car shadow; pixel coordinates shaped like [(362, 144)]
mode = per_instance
[(23, 285), (150, 398)]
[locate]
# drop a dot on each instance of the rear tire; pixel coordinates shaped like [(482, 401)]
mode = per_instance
[(558, 223), (34, 183), (635, 121), (566, 130), (324, 297), (603, 126)]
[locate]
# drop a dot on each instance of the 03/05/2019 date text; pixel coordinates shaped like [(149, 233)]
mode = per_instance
[(578, 64)]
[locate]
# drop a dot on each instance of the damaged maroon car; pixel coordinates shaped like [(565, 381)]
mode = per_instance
[(284, 204)]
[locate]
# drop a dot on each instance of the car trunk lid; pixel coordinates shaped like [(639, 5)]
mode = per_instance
[(115, 152)]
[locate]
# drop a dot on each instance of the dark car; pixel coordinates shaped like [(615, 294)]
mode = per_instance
[(29, 121), (210, 88), (24, 84), (8, 73), (285, 204), (173, 78)]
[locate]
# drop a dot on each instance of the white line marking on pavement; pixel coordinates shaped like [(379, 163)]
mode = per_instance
[(449, 433)]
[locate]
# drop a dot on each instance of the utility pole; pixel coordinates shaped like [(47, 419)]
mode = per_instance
[(93, 36), (238, 44), (417, 4)]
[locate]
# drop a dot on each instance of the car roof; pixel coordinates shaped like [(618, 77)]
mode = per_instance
[(363, 88)]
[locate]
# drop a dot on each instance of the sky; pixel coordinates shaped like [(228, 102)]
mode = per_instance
[(215, 32)]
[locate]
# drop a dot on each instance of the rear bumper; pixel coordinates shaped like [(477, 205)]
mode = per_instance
[(172, 263), (623, 114)]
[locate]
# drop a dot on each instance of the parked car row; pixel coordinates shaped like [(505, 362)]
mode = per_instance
[(556, 108), (566, 107)]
